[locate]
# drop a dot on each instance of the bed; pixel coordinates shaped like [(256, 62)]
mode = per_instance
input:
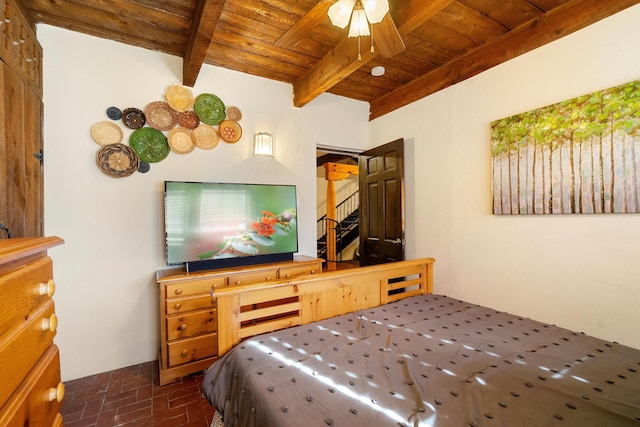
[(375, 347)]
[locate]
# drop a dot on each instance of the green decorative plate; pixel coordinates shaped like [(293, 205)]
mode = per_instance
[(150, 144), (209, 108)]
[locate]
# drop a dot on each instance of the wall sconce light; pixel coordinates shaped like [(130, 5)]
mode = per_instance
[(263, 144)]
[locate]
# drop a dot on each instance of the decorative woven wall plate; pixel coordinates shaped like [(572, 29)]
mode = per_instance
[(188, 119), (234, 113), (144, 167), (205, 137), (106, 133), (133, 118), (230, 131), (117, 160), (160, 116), (114, 113), (179, 98), (180, 140), (150, 144), (209, 108)]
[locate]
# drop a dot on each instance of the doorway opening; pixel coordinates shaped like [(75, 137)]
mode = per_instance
[(361, 205), (338, 202)]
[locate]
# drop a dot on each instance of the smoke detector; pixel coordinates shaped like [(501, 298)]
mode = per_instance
[(377, 71)]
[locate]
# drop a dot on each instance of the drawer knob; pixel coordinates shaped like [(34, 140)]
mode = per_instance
[(183, 327), (177, 306), (50, 324), (184, 353), (48, 288), (313, 271), (178, 291), (237, 282), (56, 393), (268, 278), (287, 275)]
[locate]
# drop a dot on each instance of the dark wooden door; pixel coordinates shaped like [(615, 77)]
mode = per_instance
[(381, 172)]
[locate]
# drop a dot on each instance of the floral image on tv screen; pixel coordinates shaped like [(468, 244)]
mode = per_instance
[(210, 221)]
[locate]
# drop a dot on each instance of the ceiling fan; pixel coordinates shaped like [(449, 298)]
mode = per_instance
[(363, 15)]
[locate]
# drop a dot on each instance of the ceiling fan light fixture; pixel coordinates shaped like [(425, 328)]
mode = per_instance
[(340, 12), (375, 9), (359, 24)]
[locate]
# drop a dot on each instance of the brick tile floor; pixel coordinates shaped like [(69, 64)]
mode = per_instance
[(132, 396)]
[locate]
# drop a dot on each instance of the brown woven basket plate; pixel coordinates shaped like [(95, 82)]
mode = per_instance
[(117, 160), (188, 119), (230, 131), (106, 133), (205, 137), (234, 113), (133, 118), (180, 141), (160, 116)]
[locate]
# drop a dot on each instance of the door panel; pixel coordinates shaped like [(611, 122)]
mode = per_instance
[(21, 177), (382, 204), (371, 208), (21, 141)]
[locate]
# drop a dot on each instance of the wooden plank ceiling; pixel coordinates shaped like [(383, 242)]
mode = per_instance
[(445, 41)]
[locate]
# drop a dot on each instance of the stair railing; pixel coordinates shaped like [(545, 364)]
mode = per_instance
[(347, 207), (343, 210), (336, 225)]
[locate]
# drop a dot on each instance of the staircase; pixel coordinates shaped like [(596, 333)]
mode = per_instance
[(346, 226)]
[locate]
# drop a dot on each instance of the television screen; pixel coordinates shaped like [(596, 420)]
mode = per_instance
[(215, 225)]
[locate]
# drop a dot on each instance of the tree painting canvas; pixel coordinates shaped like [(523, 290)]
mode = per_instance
[(577, 156)]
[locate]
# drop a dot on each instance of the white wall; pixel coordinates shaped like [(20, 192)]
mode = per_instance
[(577, 271), (107, 299)]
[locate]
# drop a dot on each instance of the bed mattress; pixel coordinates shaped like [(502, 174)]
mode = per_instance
[(428, 360)]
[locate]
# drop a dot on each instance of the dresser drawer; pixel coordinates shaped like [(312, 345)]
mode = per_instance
[(188, 325), (37, 401), (21, 348), (194, 287), (190, 349), (23, 290), (239, 279), (291, 272), (181, 305)]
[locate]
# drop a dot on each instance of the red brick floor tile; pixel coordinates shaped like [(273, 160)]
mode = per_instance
[(132, 396)]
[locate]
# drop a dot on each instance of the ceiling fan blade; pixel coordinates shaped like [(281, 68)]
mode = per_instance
[(308, 21), (387, 38)]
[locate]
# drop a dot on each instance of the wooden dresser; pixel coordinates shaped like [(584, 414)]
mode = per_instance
[(188, 314), (31, 390)]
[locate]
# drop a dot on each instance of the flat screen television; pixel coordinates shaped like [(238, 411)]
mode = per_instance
[(211, 225)]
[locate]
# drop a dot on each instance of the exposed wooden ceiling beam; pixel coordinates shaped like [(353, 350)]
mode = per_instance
[(416, 13), (204, 23), (336, 158), (335, 66), (307, 23), (566, 19), (343, 60), (339, 171)]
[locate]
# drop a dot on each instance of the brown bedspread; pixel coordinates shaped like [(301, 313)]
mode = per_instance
[(428, 360)]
